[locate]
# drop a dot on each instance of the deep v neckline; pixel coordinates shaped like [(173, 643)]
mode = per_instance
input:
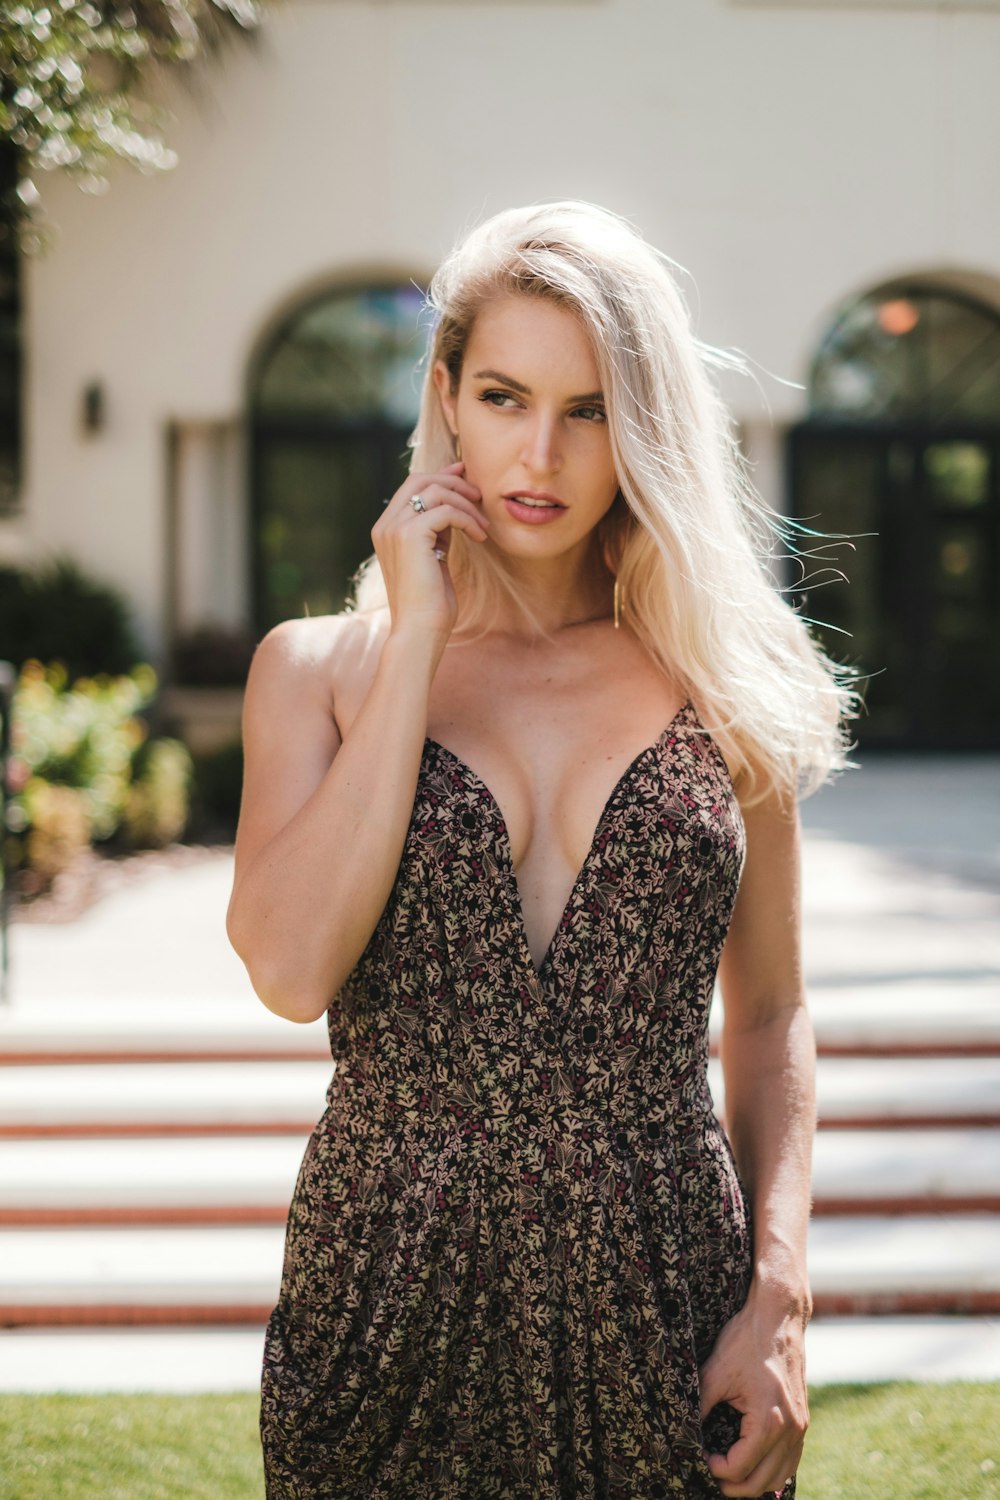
[(506, 847)]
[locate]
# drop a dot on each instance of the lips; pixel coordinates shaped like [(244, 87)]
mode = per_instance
[(534, 508), (538, 498)]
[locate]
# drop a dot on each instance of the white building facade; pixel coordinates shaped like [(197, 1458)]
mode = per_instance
[(828, 175)]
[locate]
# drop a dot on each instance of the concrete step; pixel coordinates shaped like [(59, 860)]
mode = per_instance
[(905, 1091), (180, 1027), (159, 1098), (212, 1358), (277, 1097), (163, 1274), (171, 1361), (914, 1263), (916, 1015), (906, 1171), (94, 1276), (191, 1179), (249, 1179)]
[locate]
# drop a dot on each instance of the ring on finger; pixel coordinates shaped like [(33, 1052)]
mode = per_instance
[(440, 554), (417, 501)]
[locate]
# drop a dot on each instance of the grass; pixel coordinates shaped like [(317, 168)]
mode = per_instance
[(866, 1442), (130, 1448), (903, 1441)]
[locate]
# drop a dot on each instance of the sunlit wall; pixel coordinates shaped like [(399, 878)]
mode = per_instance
[(789, 157)]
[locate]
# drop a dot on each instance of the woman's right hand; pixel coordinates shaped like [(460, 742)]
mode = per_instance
[(418, 584)]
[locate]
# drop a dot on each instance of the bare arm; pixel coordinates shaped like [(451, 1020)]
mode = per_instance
[(768, 1058), (768, 1051), (323, 821)]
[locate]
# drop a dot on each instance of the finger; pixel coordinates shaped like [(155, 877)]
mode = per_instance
[(712, 1390), (738, 1464), (450, 474), (422, 484), (767, 1478), (762, 1478), (439, 518), (398, 517), (454, 483), (436, 498), (431, 490)]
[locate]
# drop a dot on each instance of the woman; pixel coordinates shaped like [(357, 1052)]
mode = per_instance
[(499, 819)]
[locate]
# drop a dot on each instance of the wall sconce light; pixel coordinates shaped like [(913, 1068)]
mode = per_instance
[(93, 406)]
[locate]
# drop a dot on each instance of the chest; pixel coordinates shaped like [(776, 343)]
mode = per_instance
[(549, 745)]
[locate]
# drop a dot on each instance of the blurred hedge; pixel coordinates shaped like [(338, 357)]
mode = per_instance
[(84, 770), (217, 787), (56, 613)]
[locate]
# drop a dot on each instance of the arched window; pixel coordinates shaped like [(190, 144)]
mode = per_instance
[(333, 400), (901, 453), (910, 353)]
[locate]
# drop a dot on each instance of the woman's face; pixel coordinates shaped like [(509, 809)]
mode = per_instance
[(530, 414)]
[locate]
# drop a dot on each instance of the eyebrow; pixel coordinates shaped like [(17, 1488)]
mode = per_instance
[(524, 390)]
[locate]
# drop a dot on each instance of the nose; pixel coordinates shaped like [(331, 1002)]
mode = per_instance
[(542, 452)]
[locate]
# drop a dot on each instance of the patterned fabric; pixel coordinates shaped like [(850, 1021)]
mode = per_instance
[(518, 1226)]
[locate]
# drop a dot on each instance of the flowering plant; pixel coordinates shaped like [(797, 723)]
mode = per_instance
[(83, 769)]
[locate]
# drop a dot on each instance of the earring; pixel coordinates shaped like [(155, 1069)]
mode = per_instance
[(617, 603), (458, 448)]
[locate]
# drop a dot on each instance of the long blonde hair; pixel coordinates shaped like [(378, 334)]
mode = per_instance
[(688, 537)]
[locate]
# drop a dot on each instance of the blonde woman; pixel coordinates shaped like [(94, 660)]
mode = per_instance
[(505, 820)]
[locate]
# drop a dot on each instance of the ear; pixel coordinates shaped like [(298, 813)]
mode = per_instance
[(442, 380)]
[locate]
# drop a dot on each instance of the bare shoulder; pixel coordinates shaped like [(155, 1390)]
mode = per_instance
[(306, 646), (311, 664), (302, 679), (763, 803), (754, 785)]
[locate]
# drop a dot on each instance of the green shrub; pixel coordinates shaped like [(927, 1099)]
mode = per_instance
[(83, 769), (56, 613), (156, 810), (58, 827), (217, 788)]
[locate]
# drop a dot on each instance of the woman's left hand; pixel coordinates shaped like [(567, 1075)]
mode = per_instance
[(758, 1366)]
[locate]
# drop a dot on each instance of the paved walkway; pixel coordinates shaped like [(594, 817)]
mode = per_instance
[(838, 1351), (142, 1077)]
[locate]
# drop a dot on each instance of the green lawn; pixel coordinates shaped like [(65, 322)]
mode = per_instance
[(902, 1442), (879, 1442), (129, 1448)]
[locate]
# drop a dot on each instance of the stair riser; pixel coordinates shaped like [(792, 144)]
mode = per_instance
[(825, 1305)]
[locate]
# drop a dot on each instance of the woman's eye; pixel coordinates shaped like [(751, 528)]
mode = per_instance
[(494, 398), (500, 400)]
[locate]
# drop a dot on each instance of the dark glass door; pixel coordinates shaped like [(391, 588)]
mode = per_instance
[(317, 497), (918, 605), (333, 398)]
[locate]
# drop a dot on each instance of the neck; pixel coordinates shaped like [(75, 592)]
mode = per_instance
[(558, 596)]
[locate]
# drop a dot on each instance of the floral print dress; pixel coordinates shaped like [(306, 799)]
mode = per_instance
[(518, 1226)]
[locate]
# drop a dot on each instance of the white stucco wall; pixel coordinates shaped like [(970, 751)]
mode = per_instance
[(789, 157)]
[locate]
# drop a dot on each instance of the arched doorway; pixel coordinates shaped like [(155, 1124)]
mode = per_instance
[(333, 399), (901, 450)]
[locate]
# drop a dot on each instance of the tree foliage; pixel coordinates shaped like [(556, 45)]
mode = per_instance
[(72, 77)]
